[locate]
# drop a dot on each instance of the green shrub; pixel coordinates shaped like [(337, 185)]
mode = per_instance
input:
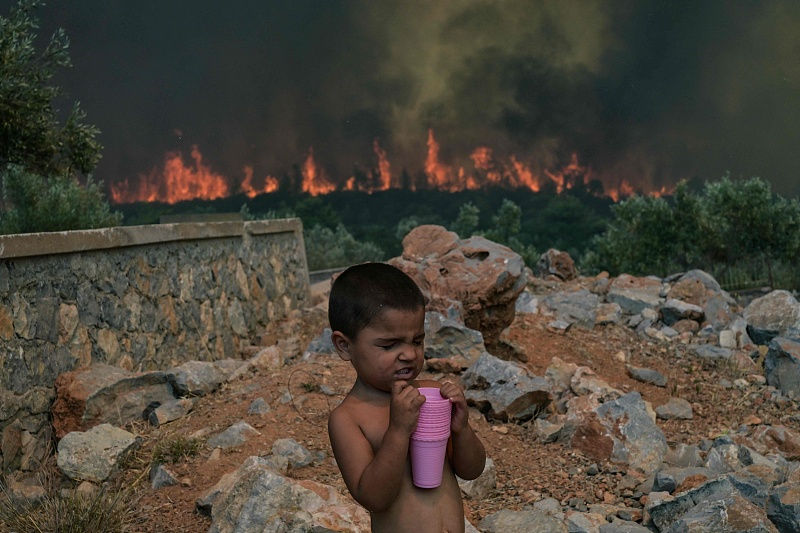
[(327, 248)]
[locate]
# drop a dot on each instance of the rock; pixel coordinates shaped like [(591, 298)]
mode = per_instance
[(707, 351), (769, 439), (446, 338), (448, 365), (504, 390), (646, 375), (160, 477), (622, 526), (578, 522), (527, 304), (684, 455), (171, 410), (296, 455), (529, 520), (686, 325), (545, 431), (254, 498), (102, 393), (25, 491), (585, 381), (236, 435), (574, 306), (197, 378), (782, 365), (783, 507), (723, 458), (772, 315), (259, 406), (95, 454), (479, 276), (667, 512), (556, 263), (731, 514), (727, 339), (621, 431), (559, 375), (608, 313), (634, 294), (483, 485), (675, 409), (559, 326), (322, 344), (675, 310)]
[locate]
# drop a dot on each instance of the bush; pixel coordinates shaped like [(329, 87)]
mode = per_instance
[(326, 248), (35, 203)]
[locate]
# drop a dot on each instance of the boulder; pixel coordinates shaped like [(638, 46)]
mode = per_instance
[(573, 306), (445, 337), (102, 393), (675, 409), (297, 456), (731, 514), (674, 310), (710, 352), (647, 375), (669, 511), (259, 406), (783, 507), (528, 520), (586, 381), (556, 263), (505, 390), (771, 439), (774, 314), (700, 288), (171, 410), (634, 294), (477, 275), (480, 487), (526, 303), (321, 344), (95, 454), (255, 498), (621, 431), (608, 313), (622, 526), (782, 365), (236, 435), (160, 477), (197, 378)]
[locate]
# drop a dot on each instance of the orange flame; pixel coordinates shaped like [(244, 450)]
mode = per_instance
[(384, 169), (175, 183), (315, 182), (439, 175), (270, 184)]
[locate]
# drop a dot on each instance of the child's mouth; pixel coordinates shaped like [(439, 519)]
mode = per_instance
[(404, 373)]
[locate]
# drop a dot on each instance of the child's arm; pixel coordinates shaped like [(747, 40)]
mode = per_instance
[(469, 456), (374, 480)]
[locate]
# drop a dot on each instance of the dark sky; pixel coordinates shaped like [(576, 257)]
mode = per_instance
[(649, 91)]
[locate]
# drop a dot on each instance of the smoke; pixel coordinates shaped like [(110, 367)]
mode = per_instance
[(649, 92)]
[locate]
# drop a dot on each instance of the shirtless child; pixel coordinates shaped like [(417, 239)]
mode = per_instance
[(377, 316)]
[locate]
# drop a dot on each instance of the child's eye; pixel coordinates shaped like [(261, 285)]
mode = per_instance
[(418, 343), (386, 346)]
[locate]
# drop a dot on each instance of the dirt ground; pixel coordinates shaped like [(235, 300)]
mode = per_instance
[(527, 470)]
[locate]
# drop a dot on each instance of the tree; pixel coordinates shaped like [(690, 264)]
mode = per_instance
[(40, 159), (326, 248), (506, 223), (467, 220), (30, 132)]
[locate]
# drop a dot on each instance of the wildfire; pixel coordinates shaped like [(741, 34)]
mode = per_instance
[(177, 181), (315, 182), (174, 183), (270, 184)]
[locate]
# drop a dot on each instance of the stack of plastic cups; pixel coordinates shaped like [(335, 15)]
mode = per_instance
[(429, 442)]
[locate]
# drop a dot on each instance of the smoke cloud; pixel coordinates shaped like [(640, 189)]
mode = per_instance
[(646, 91)]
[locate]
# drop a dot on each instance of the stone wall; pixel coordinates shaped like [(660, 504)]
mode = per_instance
[(141, 298)]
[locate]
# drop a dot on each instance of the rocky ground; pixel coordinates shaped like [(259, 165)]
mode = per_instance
[(614, 405), (300, 395)]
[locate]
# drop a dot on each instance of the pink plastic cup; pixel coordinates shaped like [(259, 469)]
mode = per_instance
[(427, 462)]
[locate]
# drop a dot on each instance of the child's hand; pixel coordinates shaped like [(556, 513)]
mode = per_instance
[(460, 416), (404, 409)]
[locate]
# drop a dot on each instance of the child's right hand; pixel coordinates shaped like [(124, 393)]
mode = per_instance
[(404, 409)]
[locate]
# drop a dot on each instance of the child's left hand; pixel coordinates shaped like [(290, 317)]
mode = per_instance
[(460, 416)]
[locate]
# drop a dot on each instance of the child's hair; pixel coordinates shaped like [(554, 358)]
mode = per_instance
[(361, 292)]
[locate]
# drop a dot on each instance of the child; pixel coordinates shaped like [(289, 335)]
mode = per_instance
[(377, 316)]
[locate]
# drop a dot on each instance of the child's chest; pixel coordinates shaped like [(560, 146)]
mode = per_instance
[(373, 423)]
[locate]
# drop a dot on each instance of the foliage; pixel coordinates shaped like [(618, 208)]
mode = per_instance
[(58, 204), (327, 248), (30, 132), (467, 221), (404, 226), (506, 223), (99, 513), (736, 223), (176, 449)]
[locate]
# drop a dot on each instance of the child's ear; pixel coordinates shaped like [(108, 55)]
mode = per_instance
[(341, 344)]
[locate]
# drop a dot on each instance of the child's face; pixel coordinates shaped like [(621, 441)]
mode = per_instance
[(389, 349)]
